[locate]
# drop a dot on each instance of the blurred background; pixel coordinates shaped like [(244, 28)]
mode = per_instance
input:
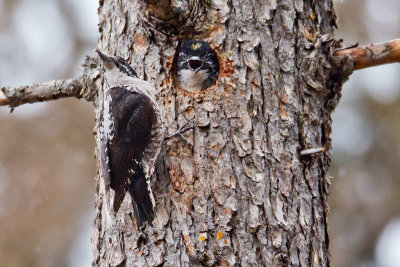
[(47, 168), (364, 224)]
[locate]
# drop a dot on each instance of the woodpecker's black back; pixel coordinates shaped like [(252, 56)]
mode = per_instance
[(133, 117)]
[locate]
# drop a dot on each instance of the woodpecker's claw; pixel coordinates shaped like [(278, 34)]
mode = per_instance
[(181, 131)]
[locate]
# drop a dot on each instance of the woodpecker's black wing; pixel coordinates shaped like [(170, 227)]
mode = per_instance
[(133, 117)]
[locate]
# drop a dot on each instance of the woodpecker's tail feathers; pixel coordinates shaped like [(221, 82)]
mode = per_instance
[(118, 198), (143, 213), (141, 200)]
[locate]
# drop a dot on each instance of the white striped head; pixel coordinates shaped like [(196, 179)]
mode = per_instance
[(116, 70)]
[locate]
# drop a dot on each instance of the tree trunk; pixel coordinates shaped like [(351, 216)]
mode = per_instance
[(237, 191)]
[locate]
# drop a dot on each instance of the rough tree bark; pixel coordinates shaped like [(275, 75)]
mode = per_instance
[(249, 186), (239, 192)]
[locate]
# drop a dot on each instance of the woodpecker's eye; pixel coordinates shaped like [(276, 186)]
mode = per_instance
[(195, 64)]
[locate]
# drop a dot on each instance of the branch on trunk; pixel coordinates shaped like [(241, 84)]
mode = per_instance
[(41, 92), (311, 151), (371, 55)]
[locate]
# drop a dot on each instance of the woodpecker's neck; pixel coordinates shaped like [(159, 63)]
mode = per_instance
[(192, 81), (114, 78)]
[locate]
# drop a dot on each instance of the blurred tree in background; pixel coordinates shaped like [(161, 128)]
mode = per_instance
[(43, 209), (46, 155), (365, 212)]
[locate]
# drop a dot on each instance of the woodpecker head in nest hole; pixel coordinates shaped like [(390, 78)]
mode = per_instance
[(197, 66)]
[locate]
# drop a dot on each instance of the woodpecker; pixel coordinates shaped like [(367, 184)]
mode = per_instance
[(131, 132), (197, 66)]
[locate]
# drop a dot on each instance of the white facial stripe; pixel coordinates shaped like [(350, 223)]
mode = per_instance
[(194, 58)]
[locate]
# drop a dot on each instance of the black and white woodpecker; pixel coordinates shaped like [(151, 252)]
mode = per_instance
[(132, 132), (197, 66)]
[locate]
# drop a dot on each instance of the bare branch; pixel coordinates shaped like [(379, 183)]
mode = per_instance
[(373, 54), (312, 151), (41, 92)]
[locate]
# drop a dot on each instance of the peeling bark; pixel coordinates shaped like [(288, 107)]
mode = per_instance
[(237, 191)]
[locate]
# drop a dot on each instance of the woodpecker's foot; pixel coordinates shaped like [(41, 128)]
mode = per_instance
[(186, 127)]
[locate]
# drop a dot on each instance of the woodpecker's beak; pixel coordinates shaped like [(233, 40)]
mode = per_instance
[(195, 64), (107, 62)]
